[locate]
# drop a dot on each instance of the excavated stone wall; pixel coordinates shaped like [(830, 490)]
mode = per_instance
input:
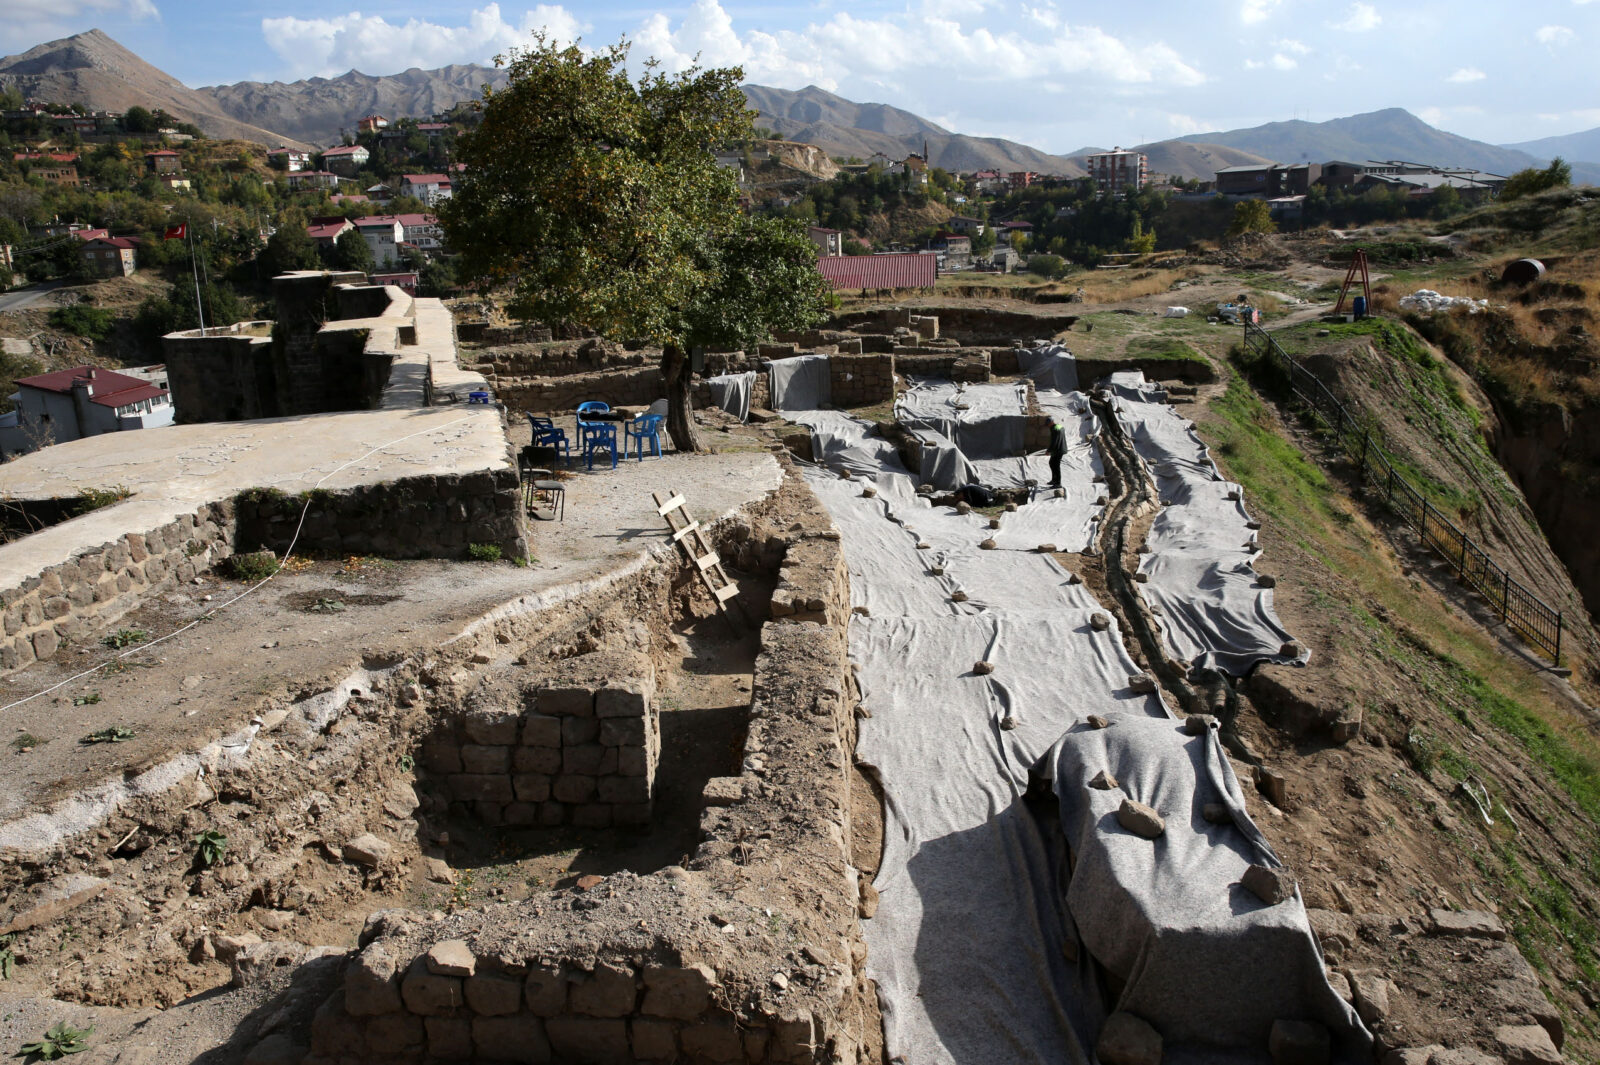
[(95, 588), (861, 380), (749, 953), (620, 388)]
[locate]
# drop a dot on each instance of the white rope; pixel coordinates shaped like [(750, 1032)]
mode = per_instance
[(287, 554)]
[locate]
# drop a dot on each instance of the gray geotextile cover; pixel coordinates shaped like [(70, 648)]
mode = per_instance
[(1169, 917), (731, 392), (800, 383), (1050, 366), (984, 421), (1202, 549), (842, 441)]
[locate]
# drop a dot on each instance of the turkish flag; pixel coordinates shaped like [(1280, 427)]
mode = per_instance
[(177, 232)]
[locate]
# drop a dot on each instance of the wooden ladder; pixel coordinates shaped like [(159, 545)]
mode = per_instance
[(1357, 272), (702, 558)]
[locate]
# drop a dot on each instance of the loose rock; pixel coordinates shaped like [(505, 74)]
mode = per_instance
[(451, 957), (1526, 1044), (1104, 781), (1199, 724), (983, 668), (989, 544), (1476, 923), (1099, 622), (1271, 886), (1096, 721), (1142, 684), (1140, 819), (368, 850)]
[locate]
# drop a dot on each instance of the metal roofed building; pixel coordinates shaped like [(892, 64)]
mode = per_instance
[(872, 272)]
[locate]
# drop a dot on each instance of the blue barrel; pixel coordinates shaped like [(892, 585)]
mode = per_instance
[(1360, 307)]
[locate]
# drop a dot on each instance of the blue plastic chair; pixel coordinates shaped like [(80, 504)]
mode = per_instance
[(644, 427), (599, 435), (478, 396), (546, 434), (587, 407)]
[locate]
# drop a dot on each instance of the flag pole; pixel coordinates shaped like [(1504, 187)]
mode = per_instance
[(196, 275)]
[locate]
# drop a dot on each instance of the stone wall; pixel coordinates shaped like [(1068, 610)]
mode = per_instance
[(93, 589), (682, 965), (861, 380), (580, 745), (416, 517), (960, 364), (221, 378), (620, 388), (973, 326)]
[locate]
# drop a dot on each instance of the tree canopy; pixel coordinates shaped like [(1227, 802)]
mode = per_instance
[(596, 198), (1251, 216), (1527, 182)]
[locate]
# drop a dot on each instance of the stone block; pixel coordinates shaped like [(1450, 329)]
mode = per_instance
[(582, 760), (476, 758), (592, 815), (630, 813), (545, 760), (394, 1035), (574, 789), (681, 994), (429, 995), (520, 1040), (521, 814), (590, 1040), (609, 991), (579, 730), (565, 702), (544, 990), (622, 731), (372, 983), (450, 957), (712, 1041), (1475, 923), (333, 1030), (654, 1040), (493, 996), (633, 762), (531, 787), (449, 1038), (481, 787), (541, 730), (441, 756), (45, 643), (626, 697), (623, 789), (492, 728)]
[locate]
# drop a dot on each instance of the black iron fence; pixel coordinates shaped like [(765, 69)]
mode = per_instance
[(1524, 612)]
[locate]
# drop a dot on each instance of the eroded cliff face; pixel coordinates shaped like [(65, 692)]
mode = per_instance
[(1554, 454)]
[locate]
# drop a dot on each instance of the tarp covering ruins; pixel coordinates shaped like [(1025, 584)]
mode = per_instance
[(980, 670), (1202, 545)]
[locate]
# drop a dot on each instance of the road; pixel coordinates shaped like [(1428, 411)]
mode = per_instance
[(23, 298)]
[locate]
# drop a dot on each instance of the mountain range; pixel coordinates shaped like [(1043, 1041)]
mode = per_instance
[(92, 69)]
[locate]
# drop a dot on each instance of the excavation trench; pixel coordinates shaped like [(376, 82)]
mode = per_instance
[(544, 761)]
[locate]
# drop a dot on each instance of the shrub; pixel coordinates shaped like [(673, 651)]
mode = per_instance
[(96, 498), (80, 319), (253, 566), (484, 552)]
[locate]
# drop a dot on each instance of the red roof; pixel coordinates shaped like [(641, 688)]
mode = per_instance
[(910, 270), (115, 242), (425, 179), (328, 230), (106, 387), (162, 151), (90, 234), (409, 220), (348, 149), (374, 220)]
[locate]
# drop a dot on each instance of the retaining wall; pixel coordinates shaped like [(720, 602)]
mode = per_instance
[(957, 365), (620, 388), (94, 588), (861, 380), (415, 517)]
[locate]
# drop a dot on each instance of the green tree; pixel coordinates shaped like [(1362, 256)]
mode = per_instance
[(1527, 182), (290, 248), (1251, 216), (1444, 202), (139, 120), (598, 200), (352, 252)]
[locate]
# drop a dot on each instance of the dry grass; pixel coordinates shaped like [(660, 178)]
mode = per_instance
[(1115, 286)]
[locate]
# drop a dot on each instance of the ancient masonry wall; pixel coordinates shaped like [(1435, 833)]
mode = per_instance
[(620, 388), (955, 365), (677, 966), (580, 745), (94, 588), (415, 517), (861, 380)]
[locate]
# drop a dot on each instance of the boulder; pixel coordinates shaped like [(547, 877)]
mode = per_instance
[(1476, 923), (1526, 1044), (368, 850), (451, 957), (1271, 886)]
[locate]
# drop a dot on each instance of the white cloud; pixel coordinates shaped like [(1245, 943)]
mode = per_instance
[(1283, 62), (30, 22), (1288, 44), (1185, 124), (1554, 36), (1465, 75), (1253, 11), (372, 44), (1360, 19)]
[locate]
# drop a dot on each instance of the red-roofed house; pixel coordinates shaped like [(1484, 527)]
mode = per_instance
[(313, 179), (384, 235), (421, 231), (110, 256), (372, 123), (346, 159), (828, 241), (429, 188), (164, 161), (873, 272), (327, 234), (53, 408), (90, 234)]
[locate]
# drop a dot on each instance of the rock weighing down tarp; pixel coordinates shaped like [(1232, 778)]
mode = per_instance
[(975, 945), (1200, 570)]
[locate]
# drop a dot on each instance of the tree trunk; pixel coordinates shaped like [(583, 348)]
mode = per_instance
[(680, 423)]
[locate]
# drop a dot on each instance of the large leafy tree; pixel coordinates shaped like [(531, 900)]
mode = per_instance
[(596, 198)]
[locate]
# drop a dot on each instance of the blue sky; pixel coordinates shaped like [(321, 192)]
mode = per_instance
[(1051, 73)]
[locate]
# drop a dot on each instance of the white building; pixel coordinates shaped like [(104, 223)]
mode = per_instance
[(384, 235)]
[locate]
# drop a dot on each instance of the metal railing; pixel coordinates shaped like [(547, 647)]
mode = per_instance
[(1523, 612)]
